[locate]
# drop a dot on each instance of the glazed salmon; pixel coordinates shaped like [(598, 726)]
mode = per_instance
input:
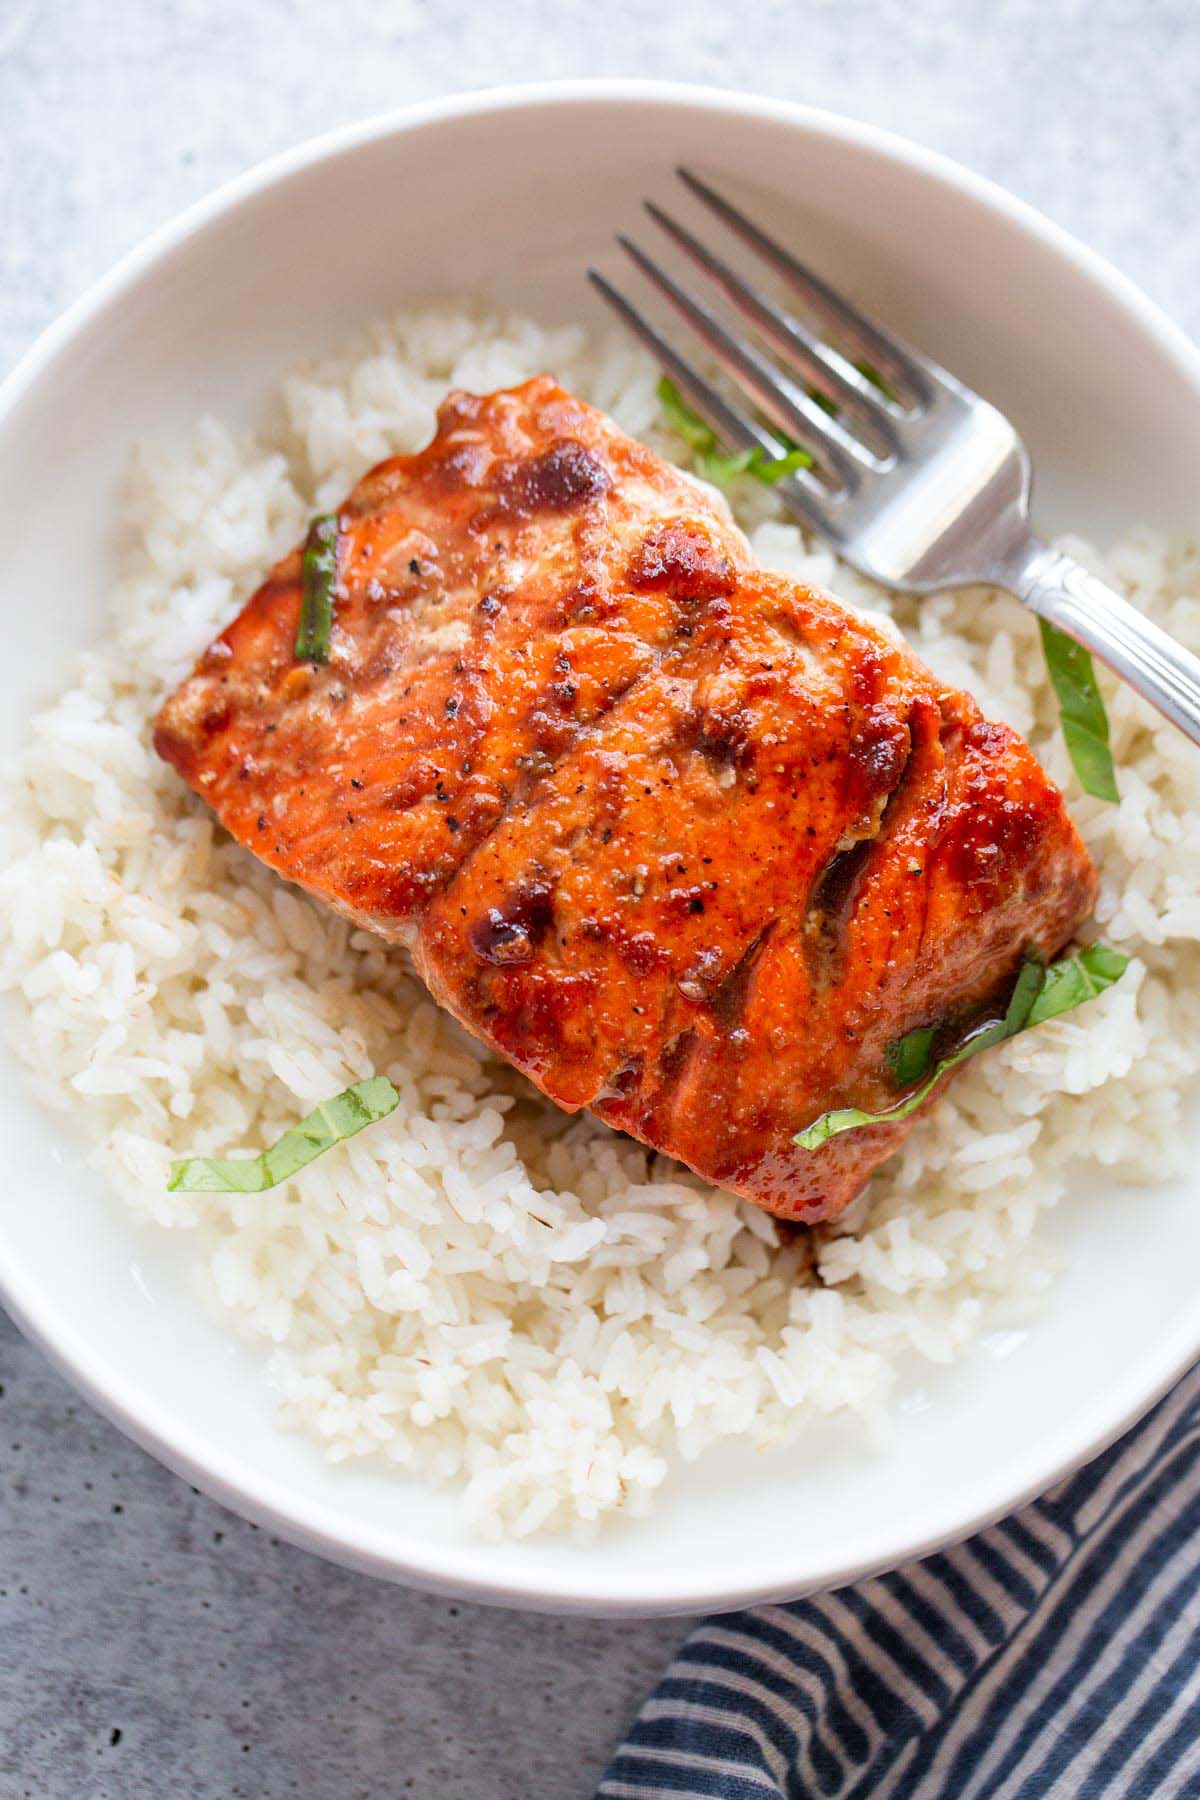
[(687, 842)]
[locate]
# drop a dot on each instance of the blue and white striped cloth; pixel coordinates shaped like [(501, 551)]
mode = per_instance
[(1056, 1654)]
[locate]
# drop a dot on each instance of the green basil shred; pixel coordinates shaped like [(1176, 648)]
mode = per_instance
[(319, 571), (908, 1057), (1040, 993), (1081, 711), (876, 379), (717, 465), (328, 1124)]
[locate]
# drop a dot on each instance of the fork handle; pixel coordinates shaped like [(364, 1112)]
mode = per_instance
[(1061, 591)]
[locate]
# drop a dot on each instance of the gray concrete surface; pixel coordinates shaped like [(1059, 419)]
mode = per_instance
[(151, 1644)]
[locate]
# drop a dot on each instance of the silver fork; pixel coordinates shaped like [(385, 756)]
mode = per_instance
[(917, 481)]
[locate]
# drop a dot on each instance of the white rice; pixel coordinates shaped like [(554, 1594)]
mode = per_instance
[(479, 1289)]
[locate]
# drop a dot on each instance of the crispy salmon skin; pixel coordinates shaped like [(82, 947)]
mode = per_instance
[(687, 842)]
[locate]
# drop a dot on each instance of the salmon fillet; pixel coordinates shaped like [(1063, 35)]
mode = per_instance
[(687, 842)]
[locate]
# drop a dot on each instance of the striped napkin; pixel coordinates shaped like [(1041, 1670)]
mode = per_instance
[(1056, 1654)]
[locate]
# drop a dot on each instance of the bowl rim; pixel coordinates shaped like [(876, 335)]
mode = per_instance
[(468, 1570)]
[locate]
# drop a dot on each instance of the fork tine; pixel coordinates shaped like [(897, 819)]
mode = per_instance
[(786, 405), (898, 366), (819, 366), (732, 425)]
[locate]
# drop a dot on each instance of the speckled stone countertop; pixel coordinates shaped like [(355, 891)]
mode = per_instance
[(150, 1643)]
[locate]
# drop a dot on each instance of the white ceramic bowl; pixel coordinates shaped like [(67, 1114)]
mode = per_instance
[(510, 193)]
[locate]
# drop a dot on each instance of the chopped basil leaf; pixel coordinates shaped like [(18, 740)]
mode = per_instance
[(869, 374), (712, 463), (1023, 999), (773, 469), (1075, 979), (1039, 994), (876, 380), (908, 1056), (718, 467), (319, 571), (1081, 711), (680, 417), (327, 1124)]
